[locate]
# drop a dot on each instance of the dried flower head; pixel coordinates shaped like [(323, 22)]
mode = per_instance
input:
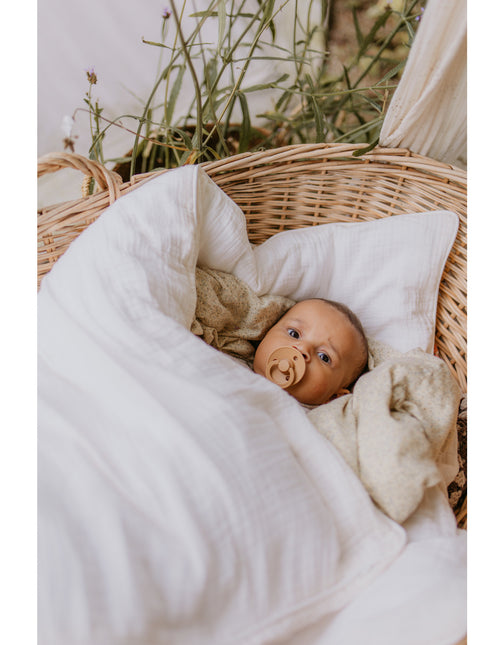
[(166, 13), (69, 138), (91, 76), (69, 144), (422, 9)]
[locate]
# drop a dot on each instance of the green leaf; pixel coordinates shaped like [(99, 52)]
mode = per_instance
[(267, 86), (363, 151), (245, 129), (319, 119), (221, 12), (347, 77), (358, 31), (409, 29), (210, 72), (155, 44), (392, 72), (170, 105), (185, 137), (194, 141), (376, 106), (380, 21), (203, 14), (120, 160), (273, 116), (267, 14)]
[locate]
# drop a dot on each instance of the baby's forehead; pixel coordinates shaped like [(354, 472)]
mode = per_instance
[(313, 308), (335, 323), (310, 305)]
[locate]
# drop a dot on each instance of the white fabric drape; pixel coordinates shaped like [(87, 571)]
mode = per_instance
[(428, 112)]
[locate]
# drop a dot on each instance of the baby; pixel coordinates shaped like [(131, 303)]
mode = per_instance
[(315, 351)]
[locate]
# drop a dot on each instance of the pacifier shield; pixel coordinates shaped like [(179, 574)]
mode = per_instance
[(285, 366)]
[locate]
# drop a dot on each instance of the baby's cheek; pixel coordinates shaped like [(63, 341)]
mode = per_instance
[(317, 390), (320, 388)]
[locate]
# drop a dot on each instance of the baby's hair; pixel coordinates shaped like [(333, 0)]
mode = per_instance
[(357, 325)]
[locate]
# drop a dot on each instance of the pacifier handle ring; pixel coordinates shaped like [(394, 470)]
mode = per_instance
[(285, 366), (289, 374)]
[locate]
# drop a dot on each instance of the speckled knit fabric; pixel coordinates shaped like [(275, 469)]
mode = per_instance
[(397, 429), (230, 316)]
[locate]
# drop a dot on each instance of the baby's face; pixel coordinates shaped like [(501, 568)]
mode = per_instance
[(329, 343)]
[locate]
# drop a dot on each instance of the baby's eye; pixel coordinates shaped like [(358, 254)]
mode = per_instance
[(324, 357), (293, 333)]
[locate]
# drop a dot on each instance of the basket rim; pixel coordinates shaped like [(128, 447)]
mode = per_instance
[(402, 158)]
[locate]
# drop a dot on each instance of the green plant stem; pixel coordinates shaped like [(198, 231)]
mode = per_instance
[(318, 100), (265, 24), (90, 116), (232, 49), (170, 65), (385, 44), (116, 122), (143, 118), (365, 127), (333, 93), (197, 90), (375, 59)]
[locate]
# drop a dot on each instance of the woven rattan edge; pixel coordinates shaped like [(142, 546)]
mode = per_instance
[(399, 157), (106, 179)]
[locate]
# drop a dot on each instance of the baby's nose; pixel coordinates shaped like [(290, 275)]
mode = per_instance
[(304, 349)]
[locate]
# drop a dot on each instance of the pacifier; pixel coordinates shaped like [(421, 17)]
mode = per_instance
[(285, 366)]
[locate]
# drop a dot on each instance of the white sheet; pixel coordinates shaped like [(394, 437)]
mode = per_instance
[(183, 498)]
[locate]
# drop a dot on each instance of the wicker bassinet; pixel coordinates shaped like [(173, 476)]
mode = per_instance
[(297, 186)]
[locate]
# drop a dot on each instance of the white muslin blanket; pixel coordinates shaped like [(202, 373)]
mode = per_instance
[(183, 498)]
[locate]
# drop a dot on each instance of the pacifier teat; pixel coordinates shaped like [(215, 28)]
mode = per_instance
[(285, 366)]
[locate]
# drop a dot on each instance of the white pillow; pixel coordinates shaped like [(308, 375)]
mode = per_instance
[(388, 271)]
